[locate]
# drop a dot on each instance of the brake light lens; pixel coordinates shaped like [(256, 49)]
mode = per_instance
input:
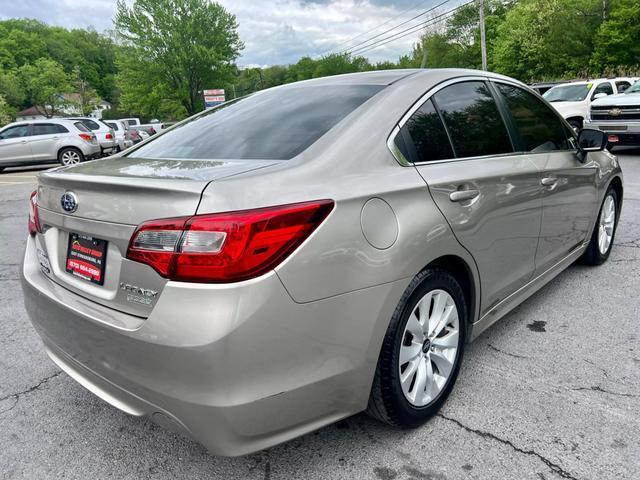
[(86, 136), (225, 247), (34, 217), (108, 136)]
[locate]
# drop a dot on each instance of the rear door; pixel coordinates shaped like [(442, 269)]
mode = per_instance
[(490, 195), (44, 140), (568, 181), (14, 144)]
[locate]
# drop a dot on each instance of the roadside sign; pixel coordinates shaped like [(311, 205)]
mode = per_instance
[(213, 97)]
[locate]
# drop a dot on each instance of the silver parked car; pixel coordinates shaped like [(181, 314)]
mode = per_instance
[(104, 133), (45, 141), (310, 251), (121, 132)]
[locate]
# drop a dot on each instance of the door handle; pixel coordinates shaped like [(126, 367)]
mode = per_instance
[(549, 181), (463, 195)]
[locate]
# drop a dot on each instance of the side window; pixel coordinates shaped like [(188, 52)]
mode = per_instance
[(90, 124), (114, 126), (15, 132), (539, 127), (47, 129), (604, 87), (427, 134), (622, 85), (80, 126), (473, 120)]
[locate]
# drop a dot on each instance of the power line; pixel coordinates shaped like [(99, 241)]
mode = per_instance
[(413, 7), (408, 31), (393, 28)]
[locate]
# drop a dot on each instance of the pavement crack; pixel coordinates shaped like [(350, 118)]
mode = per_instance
[(506, 353), (33, 388), (554, 467), (597, 388)]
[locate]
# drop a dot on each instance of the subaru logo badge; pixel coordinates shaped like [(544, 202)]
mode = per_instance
[(69, 202)]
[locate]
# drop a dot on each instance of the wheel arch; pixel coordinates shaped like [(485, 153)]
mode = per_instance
[(616, 184), (66, 147), (464, 275)]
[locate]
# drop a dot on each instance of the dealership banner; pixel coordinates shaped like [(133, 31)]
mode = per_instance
[(213, 97)]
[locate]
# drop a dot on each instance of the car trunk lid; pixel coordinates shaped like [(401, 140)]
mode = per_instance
[(112, 197)]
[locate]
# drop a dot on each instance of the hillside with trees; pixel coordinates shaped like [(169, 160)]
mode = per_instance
[(155, 64)]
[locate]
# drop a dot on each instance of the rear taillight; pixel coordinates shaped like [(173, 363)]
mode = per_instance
[(34, 217), (108, 136), (225, 247), (86, 136)]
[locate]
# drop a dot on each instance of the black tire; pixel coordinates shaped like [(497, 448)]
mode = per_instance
[(576, 124), (2, 169), (593, 255), (70, 150), (387, 401)]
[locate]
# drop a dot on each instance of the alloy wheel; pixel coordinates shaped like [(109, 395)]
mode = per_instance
[(606, 225), (429, 348), (70, 157)]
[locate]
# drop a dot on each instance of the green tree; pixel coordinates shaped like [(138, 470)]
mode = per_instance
[(547, 38), (44, 82), (617, 41), (172, 50), (6, 112)]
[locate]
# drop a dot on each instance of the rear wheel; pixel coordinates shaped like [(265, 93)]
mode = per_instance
[(421, 352), (2, 168), (604, 232), (70, 156)]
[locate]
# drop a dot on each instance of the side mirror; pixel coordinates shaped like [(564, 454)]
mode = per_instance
[(590, 140), (599, 95)]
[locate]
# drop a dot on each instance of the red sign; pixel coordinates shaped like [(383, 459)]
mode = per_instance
[(214, 98)]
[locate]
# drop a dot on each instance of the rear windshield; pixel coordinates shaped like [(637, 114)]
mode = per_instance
[(273, 124)]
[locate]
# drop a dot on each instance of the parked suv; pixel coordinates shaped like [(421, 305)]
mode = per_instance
[(573, 99), (45, 141), (122, 134), (618, 116), (104, 133), (307, 252)]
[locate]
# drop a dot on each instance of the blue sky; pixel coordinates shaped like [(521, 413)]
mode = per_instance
[(274, 32)]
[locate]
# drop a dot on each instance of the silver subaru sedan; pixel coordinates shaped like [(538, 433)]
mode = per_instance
[(310, 251)]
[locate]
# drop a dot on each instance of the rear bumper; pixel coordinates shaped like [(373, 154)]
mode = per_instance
[(237, 367)]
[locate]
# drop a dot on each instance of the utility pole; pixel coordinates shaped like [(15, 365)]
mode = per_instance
[(483, 40), (423, 64)]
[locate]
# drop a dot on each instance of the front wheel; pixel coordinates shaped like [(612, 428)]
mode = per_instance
[(604, 232), (422, 351), (70, 156)]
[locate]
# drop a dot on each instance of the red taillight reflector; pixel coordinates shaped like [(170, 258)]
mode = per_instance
[(225, 247), (86, 136), (108, 136), (613, 139), (34, 217)]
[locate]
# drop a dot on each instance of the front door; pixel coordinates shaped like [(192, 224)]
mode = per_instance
[(568, 183), (14, 145)]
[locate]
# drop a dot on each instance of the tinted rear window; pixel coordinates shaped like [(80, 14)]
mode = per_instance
[(80, 126), (428, 134), (274, 124), (48, 129), (473, 120)]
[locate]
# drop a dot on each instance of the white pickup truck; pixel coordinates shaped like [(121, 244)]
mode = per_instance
[(618, 116), (573, 99)]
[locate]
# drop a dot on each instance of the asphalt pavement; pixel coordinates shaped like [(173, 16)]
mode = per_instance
[(551, 391)]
